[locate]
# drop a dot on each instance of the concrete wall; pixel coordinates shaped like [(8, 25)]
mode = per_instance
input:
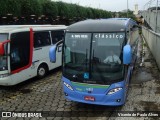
[(150, 18), (153, 40)]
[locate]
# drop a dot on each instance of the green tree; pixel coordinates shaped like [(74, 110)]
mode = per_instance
[(10, 7), (81, 11), (89, 13), (49, 8), (72, 10), (63, 9), (130, 14), (30, 7)]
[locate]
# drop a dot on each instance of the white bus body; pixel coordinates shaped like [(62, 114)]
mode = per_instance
[(26, 51)]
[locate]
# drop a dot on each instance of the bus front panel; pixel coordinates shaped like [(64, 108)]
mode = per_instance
[(93, 66), (95, 94)]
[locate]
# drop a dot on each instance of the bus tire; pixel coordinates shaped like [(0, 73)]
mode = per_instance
[(42, 71)]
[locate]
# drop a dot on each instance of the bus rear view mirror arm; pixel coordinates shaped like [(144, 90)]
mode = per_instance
[(127, 54), (2, 51)]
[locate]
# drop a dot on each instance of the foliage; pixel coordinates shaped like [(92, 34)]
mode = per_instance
[(124, 14), (10, 7), (49, 8), (31, 7), (22, 11), (63, 9)]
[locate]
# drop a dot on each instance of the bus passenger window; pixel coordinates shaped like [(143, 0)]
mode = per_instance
[(37, 41), (57, 36), (41, 39)]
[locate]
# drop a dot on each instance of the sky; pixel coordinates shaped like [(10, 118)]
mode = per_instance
[(109, 5)]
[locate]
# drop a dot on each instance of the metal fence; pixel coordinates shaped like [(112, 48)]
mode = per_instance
[(152, 4), (153, 41), (152, 18), (151, 14)]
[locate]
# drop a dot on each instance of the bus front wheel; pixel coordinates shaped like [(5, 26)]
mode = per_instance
[(42, 71)]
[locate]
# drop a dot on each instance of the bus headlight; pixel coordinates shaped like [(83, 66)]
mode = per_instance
[(114, 90), (68, 86), (4, 75)]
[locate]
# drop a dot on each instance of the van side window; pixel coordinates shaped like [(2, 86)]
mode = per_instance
[(41, 39), (19, 50), (57, 36)]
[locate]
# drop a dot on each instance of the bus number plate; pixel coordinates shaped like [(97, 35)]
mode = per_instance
[(89, 98)]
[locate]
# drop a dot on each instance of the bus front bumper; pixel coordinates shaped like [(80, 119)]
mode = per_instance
[(6, 81), (115, 99), (109, 100)]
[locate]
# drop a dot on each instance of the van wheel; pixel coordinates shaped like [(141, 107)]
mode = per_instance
[(42, 71)]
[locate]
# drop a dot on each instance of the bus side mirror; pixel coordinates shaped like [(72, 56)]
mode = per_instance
[(52, 54), (127, 54), (2, 51)]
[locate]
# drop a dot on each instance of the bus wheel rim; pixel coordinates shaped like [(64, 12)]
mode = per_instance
[(41, 71)]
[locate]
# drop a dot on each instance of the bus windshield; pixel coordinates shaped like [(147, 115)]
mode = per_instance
[(3, 59), (93, 57)]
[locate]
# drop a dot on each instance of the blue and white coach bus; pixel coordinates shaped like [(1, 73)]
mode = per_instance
[(98, 59), (24, 51)]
